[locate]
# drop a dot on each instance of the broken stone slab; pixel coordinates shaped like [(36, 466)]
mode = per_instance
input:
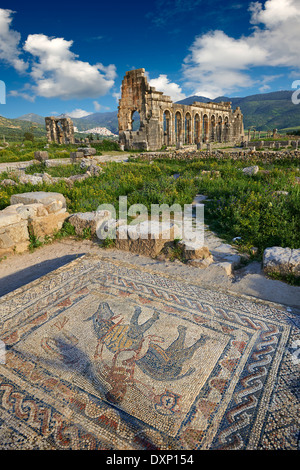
[(75, 156), (109, 227), (194, 249), (94, 170), (48, 225), (281, 260), (31, 210), (226, 267), (41, 197), (201, 263), (9, 218), (251, 170), (147, 238), (87, 151), (88, 220)]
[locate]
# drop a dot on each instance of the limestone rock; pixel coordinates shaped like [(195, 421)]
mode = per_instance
[(88, 220), (9, 218), (201, 263), (75, 156), (281, 260), (194, 250), (87, 151), (251, 170), (31, 179), (48, 225), (41, 155), (8, 182), (41, 197), (147, 238)]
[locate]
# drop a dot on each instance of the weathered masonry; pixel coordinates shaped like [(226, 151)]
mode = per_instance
[(163, 122), (60, 130)]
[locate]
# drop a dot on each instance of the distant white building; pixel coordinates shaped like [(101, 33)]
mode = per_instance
[(99, 130)]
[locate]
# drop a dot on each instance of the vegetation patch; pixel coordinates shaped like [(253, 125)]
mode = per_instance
[(259, 211)]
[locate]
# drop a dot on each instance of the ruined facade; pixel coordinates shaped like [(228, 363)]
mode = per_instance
[(60, 130), (163, 122)]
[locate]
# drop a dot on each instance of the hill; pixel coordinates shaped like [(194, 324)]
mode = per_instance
[(31, 117), (13, 129)]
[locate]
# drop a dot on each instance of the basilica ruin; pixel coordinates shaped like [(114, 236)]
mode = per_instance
[(60, 130), (164, 123)]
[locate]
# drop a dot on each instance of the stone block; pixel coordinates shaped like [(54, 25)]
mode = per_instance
[(9, 218), (281, 260), (87, 151), (41, 197), (88, 220), (48, 225), (30, 179), (201, 263), (194, 250), (251, 170), (41, 155), (12, 235), (147, 238), (75, 156)]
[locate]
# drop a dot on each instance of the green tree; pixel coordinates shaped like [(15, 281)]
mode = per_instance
[(29, 136)]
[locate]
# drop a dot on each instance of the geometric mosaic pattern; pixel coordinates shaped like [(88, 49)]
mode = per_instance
[(104, 355)]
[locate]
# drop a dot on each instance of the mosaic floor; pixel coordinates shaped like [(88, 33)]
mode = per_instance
[(105, 355)]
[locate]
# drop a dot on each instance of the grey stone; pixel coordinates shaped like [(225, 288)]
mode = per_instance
[(41, 197), (8, 182), (41, 155), (251, 170), (281, 260)]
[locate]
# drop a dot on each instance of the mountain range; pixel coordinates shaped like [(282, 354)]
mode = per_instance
[(265, 111)]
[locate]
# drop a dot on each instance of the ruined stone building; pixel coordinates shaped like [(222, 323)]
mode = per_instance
[(60, 130), (163, 122)]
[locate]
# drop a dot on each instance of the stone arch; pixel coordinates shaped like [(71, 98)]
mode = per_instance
[(188, 128), (135, 120), (219, 130), (206, 127), (197, 129), (178, 124), (213, 128), (167, 127), (226, 130)]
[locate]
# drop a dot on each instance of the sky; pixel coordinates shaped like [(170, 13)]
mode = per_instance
[(69, 57)]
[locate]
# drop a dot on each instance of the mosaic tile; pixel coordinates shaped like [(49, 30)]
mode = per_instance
[(105, 355)]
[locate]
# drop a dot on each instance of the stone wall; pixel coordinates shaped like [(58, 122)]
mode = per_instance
[(60, 130), (163, 122), (37, 213)]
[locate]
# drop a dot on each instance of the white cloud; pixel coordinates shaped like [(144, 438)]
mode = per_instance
[(162, 83), (58, 73), (78, 113), (9, 42), (97, 106), (219, 64)]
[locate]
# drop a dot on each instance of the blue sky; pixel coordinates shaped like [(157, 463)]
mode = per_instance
[(72, 59)]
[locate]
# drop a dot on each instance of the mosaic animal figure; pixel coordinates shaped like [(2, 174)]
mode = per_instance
[(118, 337), (167, 364), (156, 362)]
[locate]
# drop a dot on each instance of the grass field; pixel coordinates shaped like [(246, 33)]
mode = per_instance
[(248, 207)]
